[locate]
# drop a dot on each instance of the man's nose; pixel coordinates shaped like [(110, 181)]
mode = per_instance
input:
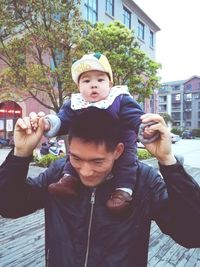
[(86, 170)]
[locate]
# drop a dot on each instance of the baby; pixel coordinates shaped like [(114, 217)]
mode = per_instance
[(94, 79)]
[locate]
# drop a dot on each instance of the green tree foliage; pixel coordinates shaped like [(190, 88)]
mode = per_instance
[(167, 118), (40, 39), (38, 43), (176, 131), (130, 65)]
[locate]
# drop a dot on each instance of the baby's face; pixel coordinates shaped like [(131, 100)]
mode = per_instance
[(94, 85)]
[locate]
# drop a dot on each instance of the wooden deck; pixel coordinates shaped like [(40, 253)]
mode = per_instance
[(22, 245)]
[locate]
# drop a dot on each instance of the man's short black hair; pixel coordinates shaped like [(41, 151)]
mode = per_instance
[(96, 126)]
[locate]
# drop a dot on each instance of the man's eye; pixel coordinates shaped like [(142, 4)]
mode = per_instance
[(75, 158), (98, 162)]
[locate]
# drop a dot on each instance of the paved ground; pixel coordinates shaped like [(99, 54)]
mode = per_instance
[(22, 240)]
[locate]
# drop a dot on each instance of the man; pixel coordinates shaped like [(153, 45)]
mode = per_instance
[(81, 231)]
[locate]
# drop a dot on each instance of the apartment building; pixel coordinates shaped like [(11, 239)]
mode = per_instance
[(181, 100), (127, 12)]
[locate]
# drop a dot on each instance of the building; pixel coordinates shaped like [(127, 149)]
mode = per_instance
[(181, 100), (127, 12)]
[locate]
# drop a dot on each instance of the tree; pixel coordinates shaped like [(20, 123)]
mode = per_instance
[(130, 65), (167, 118), (38, 41)]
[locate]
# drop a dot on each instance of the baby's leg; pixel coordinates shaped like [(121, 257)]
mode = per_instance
[(125, 171)]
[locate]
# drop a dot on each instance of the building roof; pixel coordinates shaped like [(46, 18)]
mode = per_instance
[(181, 81), (191, 78), (144, 16), (174, 82)]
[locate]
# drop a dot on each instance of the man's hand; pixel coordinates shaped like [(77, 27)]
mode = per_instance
[(25, 137), (161, 148)]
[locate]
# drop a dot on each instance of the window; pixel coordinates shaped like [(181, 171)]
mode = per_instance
[(187, 106), (110, 7), (162, 108), (176, 115), (57, 16), (127, 17), (188, 115), (176, 87), (141, 28), (151, 39), (162, 99), (188, 97), (10, 109), (189, 87), (176, 106), (178, 97), (90, 10), (59, 57)]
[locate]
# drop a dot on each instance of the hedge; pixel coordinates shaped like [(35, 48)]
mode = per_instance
[(46, 160)]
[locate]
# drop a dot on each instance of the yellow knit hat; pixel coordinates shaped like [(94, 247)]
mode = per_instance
[(89, 62)]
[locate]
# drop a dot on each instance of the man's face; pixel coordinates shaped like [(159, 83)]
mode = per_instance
[(91, 161)]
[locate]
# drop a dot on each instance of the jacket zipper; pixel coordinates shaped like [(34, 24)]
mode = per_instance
[(92, 202)]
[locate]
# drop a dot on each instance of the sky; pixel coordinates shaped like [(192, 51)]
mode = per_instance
[(178, 41)]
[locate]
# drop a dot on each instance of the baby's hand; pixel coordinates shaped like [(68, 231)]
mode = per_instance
[(34, 119), (148, 132)]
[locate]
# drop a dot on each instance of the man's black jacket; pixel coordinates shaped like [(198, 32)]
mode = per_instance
[(81, 232)]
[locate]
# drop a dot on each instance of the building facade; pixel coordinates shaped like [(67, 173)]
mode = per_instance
[(181, 100), (127, 12)]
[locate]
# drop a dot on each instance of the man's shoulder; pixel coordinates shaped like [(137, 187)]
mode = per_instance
[(55, 170), (148, 173), (144, 167), (58, 164)]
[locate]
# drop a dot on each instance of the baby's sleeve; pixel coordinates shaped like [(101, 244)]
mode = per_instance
[(60, 123), (130, 113), (55, 124)]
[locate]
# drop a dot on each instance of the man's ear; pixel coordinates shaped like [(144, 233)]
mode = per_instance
[(119, 150)]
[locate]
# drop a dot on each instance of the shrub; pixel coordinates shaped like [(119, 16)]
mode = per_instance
[(176, 131), (143, 154), (46, 160), (196, 132)]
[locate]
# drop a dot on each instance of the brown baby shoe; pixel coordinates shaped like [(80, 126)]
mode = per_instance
[(67, 186), (119, 201)]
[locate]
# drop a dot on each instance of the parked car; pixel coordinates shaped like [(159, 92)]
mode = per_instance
[(4, 142), (174, 138), (53, 147), (187, 134)]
